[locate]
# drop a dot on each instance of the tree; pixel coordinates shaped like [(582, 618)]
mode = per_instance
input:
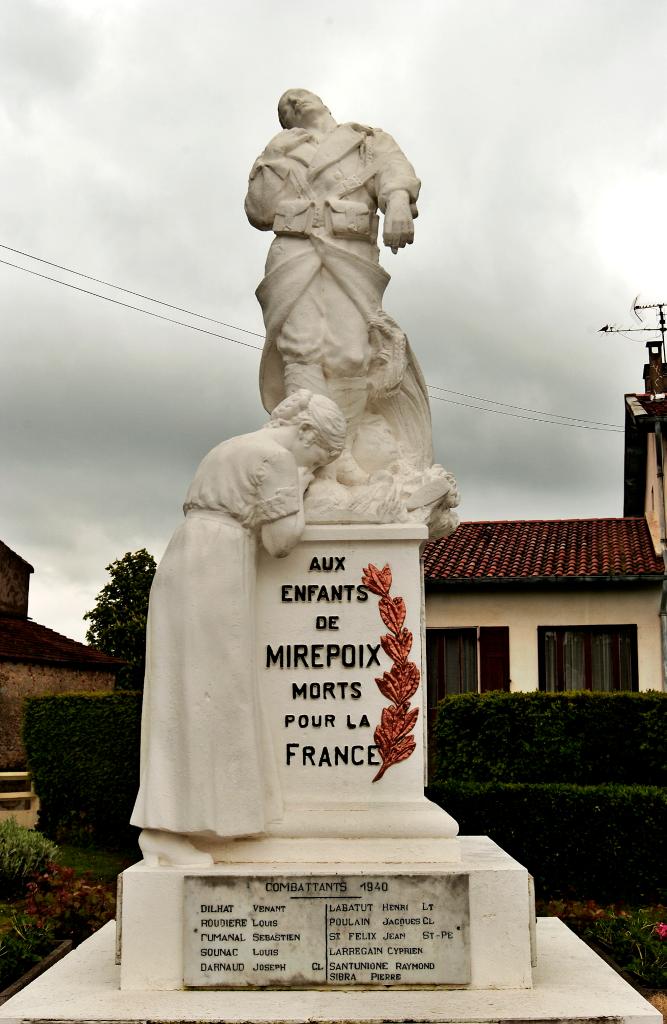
[(118, 620)]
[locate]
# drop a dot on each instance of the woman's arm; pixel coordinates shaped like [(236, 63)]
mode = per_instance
[(280, 536)]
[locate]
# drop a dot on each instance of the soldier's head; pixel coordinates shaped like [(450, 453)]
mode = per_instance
[(299, 108)]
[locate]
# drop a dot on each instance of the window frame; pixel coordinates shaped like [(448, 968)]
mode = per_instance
[(627, 629), (437, 635)]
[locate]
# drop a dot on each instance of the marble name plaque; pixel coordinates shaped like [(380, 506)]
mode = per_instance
[(288, 931)]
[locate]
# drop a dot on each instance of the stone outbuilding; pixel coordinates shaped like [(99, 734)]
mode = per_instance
[(36, 660)]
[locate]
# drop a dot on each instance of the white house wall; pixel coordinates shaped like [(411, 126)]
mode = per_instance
[(524, 611)]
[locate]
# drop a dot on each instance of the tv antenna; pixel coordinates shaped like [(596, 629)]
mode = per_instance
[(653, 344), (655, 372)]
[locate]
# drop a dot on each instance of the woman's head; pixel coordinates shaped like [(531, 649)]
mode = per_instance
[(319, 422)]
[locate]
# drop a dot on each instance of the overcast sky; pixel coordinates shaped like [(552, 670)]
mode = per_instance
[(128, 129)]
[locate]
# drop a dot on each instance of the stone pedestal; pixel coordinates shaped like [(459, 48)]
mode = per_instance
[(408, 923), (359, 880)]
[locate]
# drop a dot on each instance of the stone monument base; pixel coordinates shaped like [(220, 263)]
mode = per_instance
[(570, 983), (416, 922), (272, 849)]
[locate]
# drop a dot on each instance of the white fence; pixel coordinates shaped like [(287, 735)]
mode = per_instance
[(18, 798)]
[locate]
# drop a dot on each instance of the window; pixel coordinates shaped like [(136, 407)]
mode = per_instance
[(464, 661), (467, 661), (598, 658), (451, 663)]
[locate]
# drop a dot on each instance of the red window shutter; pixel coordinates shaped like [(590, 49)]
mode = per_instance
[(494, 658)]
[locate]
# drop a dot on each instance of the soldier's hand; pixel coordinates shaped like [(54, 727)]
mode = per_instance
[(399, 229)]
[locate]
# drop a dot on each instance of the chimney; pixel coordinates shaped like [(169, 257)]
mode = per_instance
[(14, 583), (655, 371)]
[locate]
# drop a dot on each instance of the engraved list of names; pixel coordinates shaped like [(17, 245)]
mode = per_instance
[(283, 931)]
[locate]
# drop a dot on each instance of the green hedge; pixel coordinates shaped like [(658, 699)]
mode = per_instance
[(584, 738), (83, 752), (605, 843)]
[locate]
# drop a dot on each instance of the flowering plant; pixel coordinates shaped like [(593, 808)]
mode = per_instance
[(71, 907), (636, 941)]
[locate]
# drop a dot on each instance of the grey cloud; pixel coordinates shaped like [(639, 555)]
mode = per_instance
[(44, 50), (132, 129)]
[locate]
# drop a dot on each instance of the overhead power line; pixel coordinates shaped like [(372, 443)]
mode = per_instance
[(522, 408), (128, 291), (557, 419), (128, 305), (533, 419)]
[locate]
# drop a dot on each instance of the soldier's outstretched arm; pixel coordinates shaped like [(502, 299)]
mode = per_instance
[(397, 188), (399, 228)]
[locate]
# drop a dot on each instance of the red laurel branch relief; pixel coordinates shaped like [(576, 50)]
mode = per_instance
[(393, 737)]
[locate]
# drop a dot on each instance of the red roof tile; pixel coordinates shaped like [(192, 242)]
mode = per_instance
[(24, 640), (557, 548)]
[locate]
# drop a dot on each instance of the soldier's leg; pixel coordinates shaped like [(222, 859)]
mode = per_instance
[(346, 345), (346, 359), (301, 342)]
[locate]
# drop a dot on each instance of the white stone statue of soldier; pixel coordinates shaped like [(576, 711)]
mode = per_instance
[(204, 742), (318, 186)]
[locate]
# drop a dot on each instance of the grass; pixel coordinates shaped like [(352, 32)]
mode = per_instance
[(7, 911), (102, 865), (659, 1000)]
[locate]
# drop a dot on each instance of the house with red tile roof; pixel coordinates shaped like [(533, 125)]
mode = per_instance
[(563, 604), (36, 660)]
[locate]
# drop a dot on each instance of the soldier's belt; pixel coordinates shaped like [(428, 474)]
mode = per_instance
[(342, 218)]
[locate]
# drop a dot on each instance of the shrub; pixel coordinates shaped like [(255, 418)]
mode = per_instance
[(604, 843), (83, 752), (584, 738), (68, 906), (21, 946), (22, 853)]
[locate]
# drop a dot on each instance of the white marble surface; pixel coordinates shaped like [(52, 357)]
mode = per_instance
[(571, 983)]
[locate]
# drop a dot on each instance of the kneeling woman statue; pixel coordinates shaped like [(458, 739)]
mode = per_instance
[(205, 746)]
